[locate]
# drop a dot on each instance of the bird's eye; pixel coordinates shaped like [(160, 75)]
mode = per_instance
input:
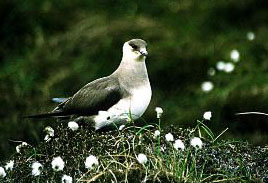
[(134, 46)]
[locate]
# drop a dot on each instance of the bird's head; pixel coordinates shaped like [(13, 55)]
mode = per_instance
[(135, 49)]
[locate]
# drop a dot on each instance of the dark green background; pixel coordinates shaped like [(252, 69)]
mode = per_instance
[(52, 48)]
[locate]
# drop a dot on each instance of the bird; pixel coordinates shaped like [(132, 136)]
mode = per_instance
[(122, 96)]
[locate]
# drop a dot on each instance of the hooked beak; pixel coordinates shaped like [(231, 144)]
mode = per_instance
[(143, 52)]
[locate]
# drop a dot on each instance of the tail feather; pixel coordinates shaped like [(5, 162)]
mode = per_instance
[(59, 100), (47, 115)]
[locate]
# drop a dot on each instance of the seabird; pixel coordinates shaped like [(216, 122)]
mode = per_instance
[(124, 95)]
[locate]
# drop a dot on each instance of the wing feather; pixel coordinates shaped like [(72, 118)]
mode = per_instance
[(98, 95)]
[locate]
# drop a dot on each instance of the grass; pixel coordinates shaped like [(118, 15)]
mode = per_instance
[(117, 151)]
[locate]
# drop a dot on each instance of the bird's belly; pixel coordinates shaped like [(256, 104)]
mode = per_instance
[(131, 107), (139, 102), (134, 105)]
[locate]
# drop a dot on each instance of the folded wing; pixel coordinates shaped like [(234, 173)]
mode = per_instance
[(98, 95)]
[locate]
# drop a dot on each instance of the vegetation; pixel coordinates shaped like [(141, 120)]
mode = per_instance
[(119, 160), (52, 48)]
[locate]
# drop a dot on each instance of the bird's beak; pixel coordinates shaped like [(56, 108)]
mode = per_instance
[(143, 52)]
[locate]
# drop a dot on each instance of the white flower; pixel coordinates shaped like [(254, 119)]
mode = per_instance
[(142, 159), (169, 137), (156, 133), (207, 115), (207, 86), (18, 147), (9, 165), (73, 125), (2, 172), (49, 133), (90, 161), (36, 168), (211, 71), (121, 127), (220, 65), (57, 164), (250, 36), (159, 112), (66, 179), (178, 145), (235, 55), (229, 67), (196, 142)]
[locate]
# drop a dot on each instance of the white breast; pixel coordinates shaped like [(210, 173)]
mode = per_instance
[(134, 105), (139, 101)]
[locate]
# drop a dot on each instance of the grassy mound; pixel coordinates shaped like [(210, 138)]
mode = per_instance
[(117, 153)]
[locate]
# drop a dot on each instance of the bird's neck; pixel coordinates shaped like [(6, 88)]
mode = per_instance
[(132, 72)]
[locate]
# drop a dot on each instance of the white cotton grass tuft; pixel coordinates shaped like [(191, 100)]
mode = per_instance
[(234, 54), (207, 86), (211, 71), (57, 164), (178, 145), (220, 65), (18, 147), (196, 142), (2, 172), (36, 168), (9, 165), (49, 133), (226, 67), (73, 125), (229, 67), (156, 133), (250, 36), (142, 158), (159, 112), (207, 115), (169, 137), (91, 161), (66, 179)]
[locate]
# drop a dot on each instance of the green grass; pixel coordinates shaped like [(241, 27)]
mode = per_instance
[(117, 151)]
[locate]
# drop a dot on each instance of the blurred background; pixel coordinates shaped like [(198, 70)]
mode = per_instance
[(204, 56)]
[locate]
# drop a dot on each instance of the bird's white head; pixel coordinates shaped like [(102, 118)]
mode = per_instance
[(135, 49)]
